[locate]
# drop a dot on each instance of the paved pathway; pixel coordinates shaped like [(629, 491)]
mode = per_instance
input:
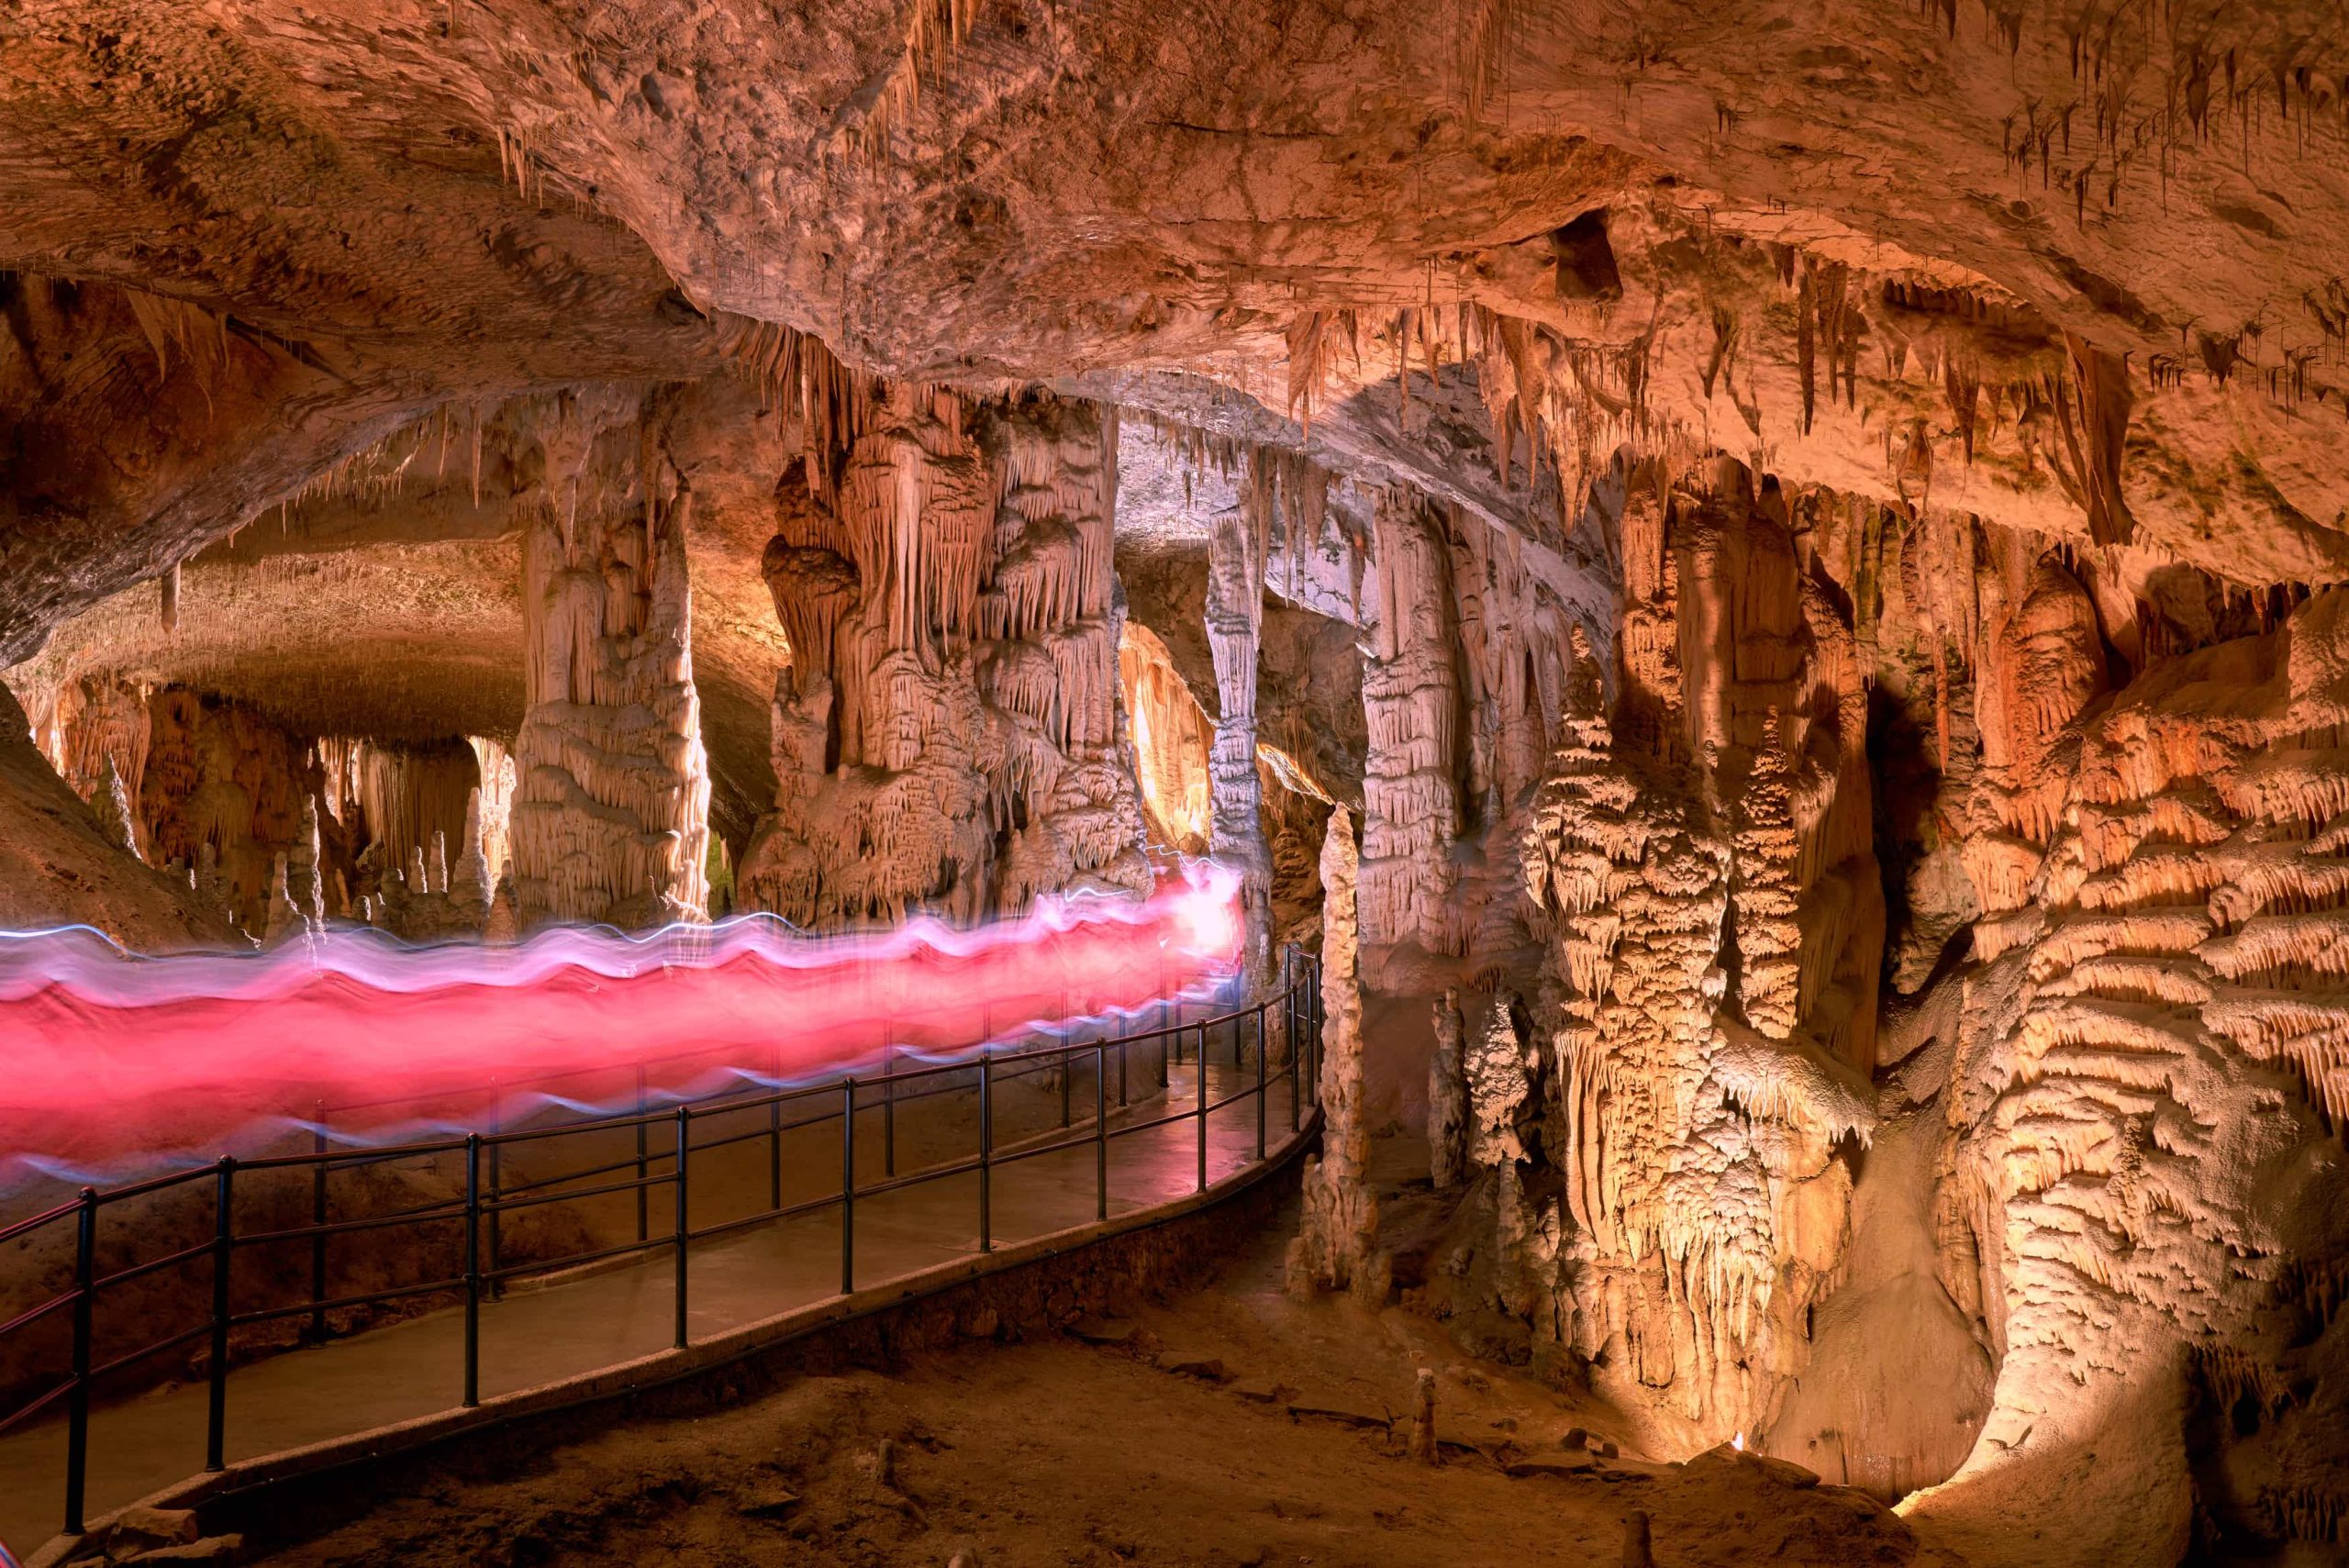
[(561, 1329)]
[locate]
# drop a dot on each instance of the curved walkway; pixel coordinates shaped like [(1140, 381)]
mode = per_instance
[(592, 1320)]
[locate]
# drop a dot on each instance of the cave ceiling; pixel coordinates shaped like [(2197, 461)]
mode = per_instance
[(252, 238)]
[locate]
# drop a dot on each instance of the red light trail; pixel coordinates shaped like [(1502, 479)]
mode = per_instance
[(113, 1060)]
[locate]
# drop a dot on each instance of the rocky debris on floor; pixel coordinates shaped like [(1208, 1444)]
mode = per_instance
[(1260, 1390), (768, 1503), (1575, 1464), (1103, 1330), (1343, 1411), (220, 1549), (1187, 1363)]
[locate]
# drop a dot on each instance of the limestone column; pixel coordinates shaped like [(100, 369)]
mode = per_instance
[(1411, 692), (1235, 615), (1334, 1247), (610, 818)]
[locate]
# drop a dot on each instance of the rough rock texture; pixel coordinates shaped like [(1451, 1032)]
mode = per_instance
[(1236, 551), (610, 816), (1333, 1245), (950, 734), (2144, 1073), (1709, 997), (58, 867), (1927, 418)]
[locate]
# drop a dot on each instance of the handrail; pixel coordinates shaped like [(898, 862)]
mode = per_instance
[(485, 1198)]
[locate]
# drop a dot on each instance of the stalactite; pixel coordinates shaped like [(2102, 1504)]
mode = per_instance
[(951, 733)]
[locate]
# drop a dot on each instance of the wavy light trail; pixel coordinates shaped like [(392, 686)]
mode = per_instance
[(112, 1061)]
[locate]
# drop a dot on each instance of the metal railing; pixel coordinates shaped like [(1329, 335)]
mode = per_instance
[(480, 1271)]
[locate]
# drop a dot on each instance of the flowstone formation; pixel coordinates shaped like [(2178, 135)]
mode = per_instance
[(610, 815), (951, 733), (2139, 1192), (1706, 1025)]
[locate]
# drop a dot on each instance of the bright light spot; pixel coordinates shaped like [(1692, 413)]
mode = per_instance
[(1738, 1443)]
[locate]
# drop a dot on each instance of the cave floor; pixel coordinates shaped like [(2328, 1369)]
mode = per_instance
[(598, 1318), (1055, 1450)]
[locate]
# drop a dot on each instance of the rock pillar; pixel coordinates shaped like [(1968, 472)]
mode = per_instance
[(1340, 1225), (611, 802), (1235, 615)]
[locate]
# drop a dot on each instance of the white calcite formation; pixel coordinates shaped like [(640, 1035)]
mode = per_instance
[(1708, 1008), (1335, 1245), (2138, 1157), (949, 734), (611, 802)]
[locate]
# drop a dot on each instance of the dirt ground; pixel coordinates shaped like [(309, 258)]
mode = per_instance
[(1288, 1445)]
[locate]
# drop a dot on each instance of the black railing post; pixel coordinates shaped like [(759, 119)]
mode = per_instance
[(644, 1195), (496, 1185), (472, 1270), (1123, 1028), (1260, 1081), (1068, 1064), (986, 1151), (1296, 1045), (319, 1218), (848, 1186), (889, 1109), (684, 1220), (1202, 1100), (77, 1406), (1101, 1128), (224, 1232), (775, 1136)]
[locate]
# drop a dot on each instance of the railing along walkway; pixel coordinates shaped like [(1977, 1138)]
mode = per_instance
[(64, 1454)]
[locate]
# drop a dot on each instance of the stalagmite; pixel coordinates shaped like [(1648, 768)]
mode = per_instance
[(304, 887), (1448, 1131), (284, 921), (611, 802), (1423, 1440), (110, 803), (1336, 1239), (1500, 1078), (473, 883)]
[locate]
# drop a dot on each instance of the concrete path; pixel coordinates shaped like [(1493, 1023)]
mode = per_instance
[(558, 1330)]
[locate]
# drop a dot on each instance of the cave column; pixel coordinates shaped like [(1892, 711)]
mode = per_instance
[(1411, 689), (1235, 615), (610, 816)]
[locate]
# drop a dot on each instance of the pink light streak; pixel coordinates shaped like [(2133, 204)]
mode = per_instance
[(114, 1061)]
